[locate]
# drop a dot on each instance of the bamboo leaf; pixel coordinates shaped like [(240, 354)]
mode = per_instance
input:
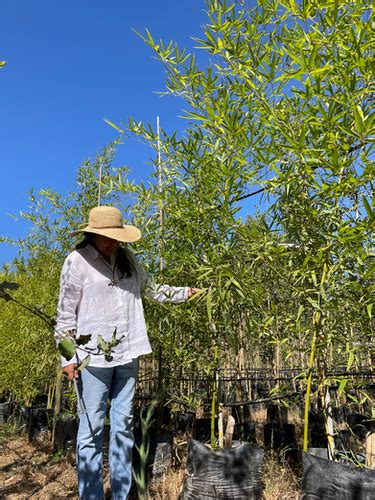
[(209, 304), (350, 360), (369, 310), (114, 126), (359, 118), (269, 321), (299, 313), (342, 386), (368, 208), (314, 303)]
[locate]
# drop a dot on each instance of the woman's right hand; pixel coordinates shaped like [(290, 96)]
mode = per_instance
[(71, 371)]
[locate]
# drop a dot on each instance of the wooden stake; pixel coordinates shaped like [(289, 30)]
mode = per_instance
[(229, 431), (329, 424), (370, 450), (220, 429)]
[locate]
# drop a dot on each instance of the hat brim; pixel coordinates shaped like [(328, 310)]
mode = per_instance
[(125, 234)]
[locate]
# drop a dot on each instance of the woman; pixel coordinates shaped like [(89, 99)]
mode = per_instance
[(100, 300)]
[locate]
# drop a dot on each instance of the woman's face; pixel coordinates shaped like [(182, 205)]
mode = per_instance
[(105, 246)]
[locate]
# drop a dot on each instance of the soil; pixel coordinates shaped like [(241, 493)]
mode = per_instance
[(31, 470)]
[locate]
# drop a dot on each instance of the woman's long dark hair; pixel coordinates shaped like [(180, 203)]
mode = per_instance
[(123, 261)]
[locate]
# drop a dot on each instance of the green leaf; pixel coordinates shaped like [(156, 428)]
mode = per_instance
[(83, 339), (84, 363), (359, 118), (102, 344), (350, 360), (209, 304), (299, 313), (369, 310), (368, 208), (323, 293), (314, 303), (114, 126), (269, 320), (67, 348), (342, 386)]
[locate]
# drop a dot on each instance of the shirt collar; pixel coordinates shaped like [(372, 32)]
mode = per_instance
[(92, 251), (94, 254)]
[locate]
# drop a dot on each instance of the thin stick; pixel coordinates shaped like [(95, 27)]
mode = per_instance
[(160, 175), (308, 390), (100, 181), (160, 187)]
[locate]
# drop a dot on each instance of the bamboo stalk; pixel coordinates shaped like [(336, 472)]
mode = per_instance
[(214, 396), (57, 406), (308, 390)]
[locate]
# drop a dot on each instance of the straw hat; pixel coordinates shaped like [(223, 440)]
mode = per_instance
[(107, 221)]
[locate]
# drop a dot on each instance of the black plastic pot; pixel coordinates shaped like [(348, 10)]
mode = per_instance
[(318, 435), (159, 455), (282, 438), (245, 432), (227, 474), (65, 437), (184, 422), (328, 480), (277, 414), (202, 431), (4, 412), (360, 425), (39, 421)]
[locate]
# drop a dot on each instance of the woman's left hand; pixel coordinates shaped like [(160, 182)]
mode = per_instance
[(193, 291)]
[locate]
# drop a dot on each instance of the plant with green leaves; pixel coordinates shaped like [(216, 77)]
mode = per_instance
[(27, 350), (283, 109), (281, 114), (140, 476)]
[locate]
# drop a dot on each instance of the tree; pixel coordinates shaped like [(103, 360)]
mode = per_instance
[(284, 108)]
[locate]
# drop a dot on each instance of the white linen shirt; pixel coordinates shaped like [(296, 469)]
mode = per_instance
[(90, 305)]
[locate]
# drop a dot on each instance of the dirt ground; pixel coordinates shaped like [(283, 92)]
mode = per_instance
[(31, 470)]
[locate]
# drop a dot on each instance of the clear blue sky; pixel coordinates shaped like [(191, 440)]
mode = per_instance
[(70, 64)]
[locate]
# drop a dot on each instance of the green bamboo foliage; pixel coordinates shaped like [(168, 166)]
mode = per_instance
[(284, 108), (279, 123), (27, 351)]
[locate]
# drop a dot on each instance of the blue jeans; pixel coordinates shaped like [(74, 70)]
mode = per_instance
[(95, 387)]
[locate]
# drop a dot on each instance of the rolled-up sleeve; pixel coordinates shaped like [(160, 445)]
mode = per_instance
[(166, 293), (155, 291), (69, 299)]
